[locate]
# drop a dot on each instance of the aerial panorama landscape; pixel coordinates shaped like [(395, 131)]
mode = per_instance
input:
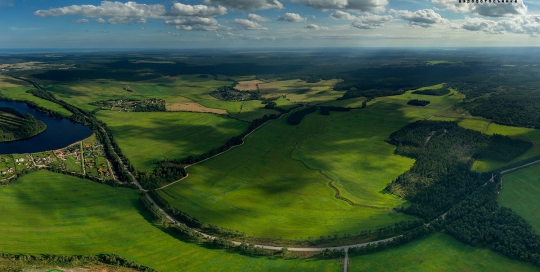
[(269, 135)]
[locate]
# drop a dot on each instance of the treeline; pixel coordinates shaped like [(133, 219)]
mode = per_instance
[(416, 234), (325, 110), (416, 102), (22, 261), (479, 221), (167, 171), (229, 93), (296, 117), (444, 153), (434, 92), (371, 93), (510, 108)]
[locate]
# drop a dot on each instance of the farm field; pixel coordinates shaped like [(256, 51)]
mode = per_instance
[(298, 90), (49, 213), (438, 252), (173, 90), (485, 165), (252, 110), (19, 92), (257, 188), (147, 137), (359, 160), (520, 193)]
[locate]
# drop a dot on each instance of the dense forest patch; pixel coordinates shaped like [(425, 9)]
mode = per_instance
[(444, 153), (14, 125)]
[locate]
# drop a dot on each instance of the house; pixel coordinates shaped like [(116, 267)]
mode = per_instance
[(19, 160)]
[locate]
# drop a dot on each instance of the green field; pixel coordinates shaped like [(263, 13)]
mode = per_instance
[(485, 165), (520, 193), (48, 213), (438, 252), (21, 94), (298, 90), (468, 123), (352, 151), (147, 137), (258, 189)]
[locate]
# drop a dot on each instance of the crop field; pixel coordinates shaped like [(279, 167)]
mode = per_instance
[(147, 137), (49, 213), (520, 193), (300, 91), (485, 165), (358, 159), (174, 90), (257, 188), (438, 252), (7, 82), (527, 134)]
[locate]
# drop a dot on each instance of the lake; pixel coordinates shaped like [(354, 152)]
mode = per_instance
[(59, 133)]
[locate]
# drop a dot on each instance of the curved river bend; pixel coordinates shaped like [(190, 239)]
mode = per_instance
[(59, 133)]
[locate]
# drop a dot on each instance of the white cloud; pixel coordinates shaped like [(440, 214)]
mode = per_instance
[(197, 23), (423, 18), (107, 9), (342, 15), (143, 29), (247, 4), (249, 25), (179, 9), (316, 27), (292, 17), (100, 20), (126, 20), (360, 5), (484, 9), (173, 34), (526, 24), (81, 21), (257, 18), (371, 21)]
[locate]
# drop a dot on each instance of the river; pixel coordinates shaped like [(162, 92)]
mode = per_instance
[(59, 133)]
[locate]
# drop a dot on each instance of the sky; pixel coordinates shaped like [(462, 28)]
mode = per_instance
[(267, 23)]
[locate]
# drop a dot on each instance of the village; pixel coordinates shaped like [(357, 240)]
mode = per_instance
[(85, 157)]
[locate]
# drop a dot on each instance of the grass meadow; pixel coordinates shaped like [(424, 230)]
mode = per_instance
[(49, 213), (147, 137), (16, 89), (520, 193), (438, 252), (352, 151), (258, 189)]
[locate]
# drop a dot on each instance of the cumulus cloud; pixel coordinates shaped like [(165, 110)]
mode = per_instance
[(247, 4), (342, 15), (257, 18), (424, 17), (131, 12), (371, 21), (249, 25), (359, 5), (107, 9), (82, 21), (292, 18), (197, 23), (316, 27), (179, 9), (525, 24), (484, 9)]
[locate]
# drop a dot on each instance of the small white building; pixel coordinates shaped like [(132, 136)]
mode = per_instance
[(19, 160)]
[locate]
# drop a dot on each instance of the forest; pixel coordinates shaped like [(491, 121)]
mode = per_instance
[(14, 125)]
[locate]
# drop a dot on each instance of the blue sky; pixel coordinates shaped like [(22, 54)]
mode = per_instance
[(266, 23)]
